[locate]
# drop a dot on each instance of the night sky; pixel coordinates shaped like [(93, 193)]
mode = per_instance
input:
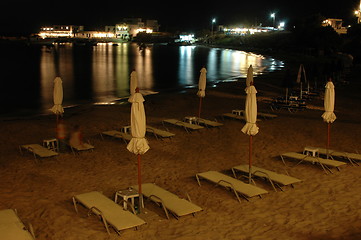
[(26, 17)]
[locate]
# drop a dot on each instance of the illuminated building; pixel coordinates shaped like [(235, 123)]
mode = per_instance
[(60, 31), (336, 24)]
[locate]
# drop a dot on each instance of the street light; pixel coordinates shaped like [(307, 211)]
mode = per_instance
[(213, 22), (273, 16)]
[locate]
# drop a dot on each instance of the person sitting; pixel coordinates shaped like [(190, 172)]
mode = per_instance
[(76, 137)]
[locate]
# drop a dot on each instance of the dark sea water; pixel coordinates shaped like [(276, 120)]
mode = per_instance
[(100, 74)]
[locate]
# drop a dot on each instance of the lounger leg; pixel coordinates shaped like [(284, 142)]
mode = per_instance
[(75, 206), (161, 202), (197, 177), (234, 173), (283, 160), (101, 216)]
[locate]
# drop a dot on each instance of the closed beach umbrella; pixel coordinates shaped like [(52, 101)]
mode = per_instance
[(133, 82), (58, 97), (202, 88), (138, 144), (249, 78), (250, 128), (329, 104)]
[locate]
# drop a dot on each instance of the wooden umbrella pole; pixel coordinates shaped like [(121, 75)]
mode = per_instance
[(200, 107), (328, 138), (140, 205), (250, 159)]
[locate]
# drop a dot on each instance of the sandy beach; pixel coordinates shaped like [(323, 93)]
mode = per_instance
[(320, 207)]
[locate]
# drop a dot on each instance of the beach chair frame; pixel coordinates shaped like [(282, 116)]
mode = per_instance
[(117, 135), (99, 213), (170, 196), (325, 168), (181, 124), (229, 187)]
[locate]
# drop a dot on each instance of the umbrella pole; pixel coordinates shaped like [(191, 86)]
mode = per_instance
[(200, 107), (140, 204), (250, 160), (328, 138)]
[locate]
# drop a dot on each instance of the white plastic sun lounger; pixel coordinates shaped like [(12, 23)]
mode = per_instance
[(274, 178), (236, 116), (12, 228), (117, 134), (237, 186), (205, 122), (259, 114), (185, 125), (83, 147), (351, 157), (38, 150), (170, 202), (111, 213), (325, 163), (159, 133)]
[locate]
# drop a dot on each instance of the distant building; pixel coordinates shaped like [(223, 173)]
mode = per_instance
[(336, 24), (94, 35), (125, 30), (63, 31), (130, 27)]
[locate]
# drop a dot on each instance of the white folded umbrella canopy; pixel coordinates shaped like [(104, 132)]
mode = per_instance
[(250, 128), (329, 104), (201, 88), (58, 97), (138, 144)]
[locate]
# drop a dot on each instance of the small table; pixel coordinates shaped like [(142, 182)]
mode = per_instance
[(238, 112), (311, 151), (126, 194), (125, 129), (191, 120), (51, 144)]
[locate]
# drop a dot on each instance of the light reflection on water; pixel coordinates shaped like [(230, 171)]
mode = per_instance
[(101, 73)]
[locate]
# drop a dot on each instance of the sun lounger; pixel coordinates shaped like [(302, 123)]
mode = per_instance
[(170, 202), (236, 116), (237, 186), (110, 212), (351, 157), (83, 147), (185, 125), (117, 134), (259, 114), (202, 121), (38, 150), (325, 163), (12, 228), (159, 133), (274, 178)]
